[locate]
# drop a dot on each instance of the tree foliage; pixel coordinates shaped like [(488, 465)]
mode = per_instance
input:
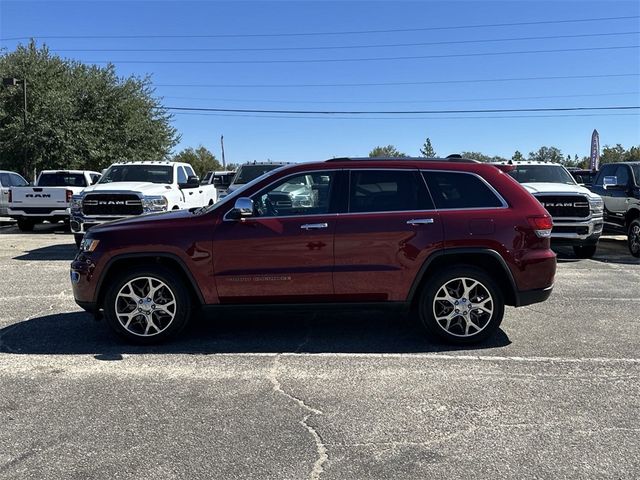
[(427, 150), (388, 151), (517, 156), (79, 116), (481, 157), (201, 159), (547, 154)]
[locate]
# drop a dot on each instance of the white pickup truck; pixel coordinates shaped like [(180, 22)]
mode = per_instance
[(137, 188), (8, 180), (49, 199)]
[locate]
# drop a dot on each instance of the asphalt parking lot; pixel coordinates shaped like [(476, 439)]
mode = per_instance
[(556, 394)]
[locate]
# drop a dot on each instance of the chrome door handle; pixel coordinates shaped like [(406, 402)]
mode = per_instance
[(314, 226), (420, 221)]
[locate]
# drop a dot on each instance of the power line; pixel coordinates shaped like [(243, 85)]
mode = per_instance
[(440, 100), (345, 47), (458, 117), (401, 112), (364, 59), (307, 34), (384, 84)]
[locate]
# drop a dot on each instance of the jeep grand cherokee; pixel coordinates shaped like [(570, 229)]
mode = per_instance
[(452, 240)]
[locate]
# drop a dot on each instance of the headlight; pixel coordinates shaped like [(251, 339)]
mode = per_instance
[(156, 203), (76, 203), (596, 204), (88, 244)]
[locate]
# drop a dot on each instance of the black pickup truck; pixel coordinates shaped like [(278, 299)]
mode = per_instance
[(619, 186)]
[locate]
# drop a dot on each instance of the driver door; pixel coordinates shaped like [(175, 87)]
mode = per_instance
[(283, 253)]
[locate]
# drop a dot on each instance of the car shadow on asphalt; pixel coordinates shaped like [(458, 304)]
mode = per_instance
[(610, 250), (62, 251), (77, 333)]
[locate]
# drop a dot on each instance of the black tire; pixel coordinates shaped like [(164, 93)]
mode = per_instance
[(177, 289), (25, 225), (633, 238), (488, 323), (78, 238), (584, 251)]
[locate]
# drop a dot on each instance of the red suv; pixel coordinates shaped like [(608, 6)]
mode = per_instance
[(452, 240)]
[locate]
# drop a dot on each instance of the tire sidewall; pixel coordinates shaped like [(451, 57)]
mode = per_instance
[(425, 308), (631, 226), (183, 307)]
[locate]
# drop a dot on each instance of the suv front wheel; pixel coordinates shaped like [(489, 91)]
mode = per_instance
[(462, 305), (147, 305)]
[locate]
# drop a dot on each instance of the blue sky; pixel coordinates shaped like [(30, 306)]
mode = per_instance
[(447, 82)]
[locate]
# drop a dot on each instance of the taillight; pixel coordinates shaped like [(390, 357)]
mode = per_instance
[(69, 195), (542, 225)]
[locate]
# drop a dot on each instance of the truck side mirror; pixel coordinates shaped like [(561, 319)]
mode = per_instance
[(612, 183), (192, 182)]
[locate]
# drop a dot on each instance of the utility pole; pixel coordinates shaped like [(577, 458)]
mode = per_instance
[(224, 163)]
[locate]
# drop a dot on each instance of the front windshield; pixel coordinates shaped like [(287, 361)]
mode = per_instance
[(542, 174), (636, 172), (138, 173), (247, 173)]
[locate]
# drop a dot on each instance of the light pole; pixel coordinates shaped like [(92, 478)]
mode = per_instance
[(12, 82)]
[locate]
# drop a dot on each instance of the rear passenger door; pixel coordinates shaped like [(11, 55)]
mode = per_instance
[(390, 228), (470, 209)]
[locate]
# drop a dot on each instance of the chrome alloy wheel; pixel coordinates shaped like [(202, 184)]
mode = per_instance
[(463, 307), (145, 306), (634, 239)]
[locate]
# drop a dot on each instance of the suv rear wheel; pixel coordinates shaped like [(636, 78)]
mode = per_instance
[(147, 305), (462, 305), (633, 238)]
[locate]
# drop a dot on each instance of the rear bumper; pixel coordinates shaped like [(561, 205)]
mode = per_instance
[(529, 297)]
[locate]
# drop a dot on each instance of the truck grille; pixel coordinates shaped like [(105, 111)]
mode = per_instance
[(565, 205), (112, 204)]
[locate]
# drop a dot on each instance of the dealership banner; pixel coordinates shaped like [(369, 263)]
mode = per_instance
[(595, 150)]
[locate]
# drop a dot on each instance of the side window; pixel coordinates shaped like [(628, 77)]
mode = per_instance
[(460, 190), (4, 180), (190, 172), (306, 194), (605, 171), (17, 180), (387, 191), (622, 172), (182, 176)]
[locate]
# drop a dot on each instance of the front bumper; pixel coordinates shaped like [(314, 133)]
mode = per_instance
[(578, 231)]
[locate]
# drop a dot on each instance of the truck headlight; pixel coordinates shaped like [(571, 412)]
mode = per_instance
[(76, 203), (596, 205), (156, 203)]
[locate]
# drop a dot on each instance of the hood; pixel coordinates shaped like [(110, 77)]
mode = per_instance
[(534, 188), (144, 188), (150, 219)]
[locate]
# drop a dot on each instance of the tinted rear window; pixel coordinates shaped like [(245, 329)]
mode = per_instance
[(387, 191), (460, 190), (61, 179)]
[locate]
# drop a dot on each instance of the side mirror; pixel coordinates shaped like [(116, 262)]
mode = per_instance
[(192, 182), (611, 183), (242, 208)]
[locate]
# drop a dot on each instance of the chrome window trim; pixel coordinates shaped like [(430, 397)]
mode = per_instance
[(503, 202)]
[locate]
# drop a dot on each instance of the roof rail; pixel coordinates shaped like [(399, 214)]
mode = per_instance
[(456, 158)]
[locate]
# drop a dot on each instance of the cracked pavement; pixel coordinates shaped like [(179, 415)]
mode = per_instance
[(556, 394)]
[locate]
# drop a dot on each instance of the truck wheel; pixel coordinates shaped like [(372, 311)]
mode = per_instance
[(78, 238), (584, 251), (25, 225), (633, 238), (147, 305), (461, 306)]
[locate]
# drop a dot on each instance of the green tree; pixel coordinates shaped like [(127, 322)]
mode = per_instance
[(388, 151), (481, 157), (612, 154), (201, 159), (633, 154), (79, 116), (547, 154), (517, 156), (427, 150)]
